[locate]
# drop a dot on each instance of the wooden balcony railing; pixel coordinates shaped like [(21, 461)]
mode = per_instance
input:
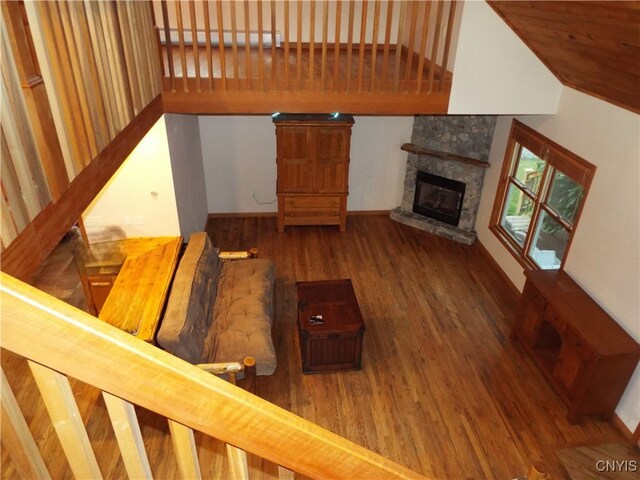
[(75, 78), (306, 56), (59, 340)]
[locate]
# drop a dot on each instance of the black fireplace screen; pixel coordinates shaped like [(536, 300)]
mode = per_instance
[(438, 197)]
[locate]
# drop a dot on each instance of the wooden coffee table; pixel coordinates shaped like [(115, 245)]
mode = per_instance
[(330, 326)]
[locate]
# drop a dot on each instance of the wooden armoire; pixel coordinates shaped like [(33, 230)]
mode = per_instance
[(313, 168)]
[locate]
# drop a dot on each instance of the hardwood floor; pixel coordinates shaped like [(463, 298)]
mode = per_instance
[(442, 388)]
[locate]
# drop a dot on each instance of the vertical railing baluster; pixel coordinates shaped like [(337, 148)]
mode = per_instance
[(447, 44), (387, 43), (286, 44), (17, 438), (247, 43), (363, 33), (299, 44), (274, 51), (66, 419), (234, 43), (168, 45), (336, 59), (349, 44), (220, 28), (312, 42), (260, 45), (436, 43), (423, 45), (325, 25), (410, 44), (183, 55), (184, 446), (396, 69), (374, 43), (194, 43), (208, 41)]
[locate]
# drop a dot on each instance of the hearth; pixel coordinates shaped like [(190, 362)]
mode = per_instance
[(438, 197)]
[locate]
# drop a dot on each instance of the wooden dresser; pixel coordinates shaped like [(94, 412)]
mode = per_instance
[(313, 169), (585, 354)]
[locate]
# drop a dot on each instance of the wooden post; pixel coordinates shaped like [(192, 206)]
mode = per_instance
[(250, 375)]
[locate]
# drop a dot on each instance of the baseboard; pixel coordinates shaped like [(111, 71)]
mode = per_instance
[(486, 253), (353, 213), (356, 213), (242, 215)]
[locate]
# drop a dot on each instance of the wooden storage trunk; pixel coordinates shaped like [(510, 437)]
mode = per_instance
[(336, 343)]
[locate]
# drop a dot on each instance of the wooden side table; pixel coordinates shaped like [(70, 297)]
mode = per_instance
[(137, 298), (330, 326)]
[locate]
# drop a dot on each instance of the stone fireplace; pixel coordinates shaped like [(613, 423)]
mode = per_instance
[(445, 171)]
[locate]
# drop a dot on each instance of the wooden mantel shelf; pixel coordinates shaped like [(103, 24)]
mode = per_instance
[(411, 148)]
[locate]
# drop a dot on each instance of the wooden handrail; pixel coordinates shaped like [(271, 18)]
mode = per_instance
[(53, 333)]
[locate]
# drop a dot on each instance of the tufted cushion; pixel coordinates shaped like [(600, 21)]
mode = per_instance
[(243, 312), (187, 319)]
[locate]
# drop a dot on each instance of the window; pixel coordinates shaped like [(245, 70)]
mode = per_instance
[(542, 190)]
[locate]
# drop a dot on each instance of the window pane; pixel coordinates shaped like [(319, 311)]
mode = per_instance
[(565, 196), (549, 242), (517, 214), (529, 170)]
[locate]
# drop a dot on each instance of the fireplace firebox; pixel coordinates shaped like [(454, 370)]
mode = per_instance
[(438, 197)]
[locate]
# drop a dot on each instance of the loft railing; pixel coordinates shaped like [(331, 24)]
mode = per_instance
[(75, 76), (260, 56), (59, 341)]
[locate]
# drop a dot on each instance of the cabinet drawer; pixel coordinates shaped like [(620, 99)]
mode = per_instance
[(325, 203)]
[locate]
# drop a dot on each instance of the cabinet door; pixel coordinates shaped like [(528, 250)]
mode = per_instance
[(574, 358), (331, 152), (295, 163)]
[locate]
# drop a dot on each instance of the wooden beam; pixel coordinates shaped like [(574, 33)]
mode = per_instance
[(305, 102), (32, 246)]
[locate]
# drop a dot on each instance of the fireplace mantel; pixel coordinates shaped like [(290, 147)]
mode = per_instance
[(412, 148)]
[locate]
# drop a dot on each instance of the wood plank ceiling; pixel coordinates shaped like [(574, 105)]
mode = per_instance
[(592, 46)]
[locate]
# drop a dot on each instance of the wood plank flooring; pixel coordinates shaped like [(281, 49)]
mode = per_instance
[(442, 389)]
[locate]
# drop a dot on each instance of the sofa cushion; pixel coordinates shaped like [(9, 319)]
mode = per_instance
[(187, 319), (242, 313)]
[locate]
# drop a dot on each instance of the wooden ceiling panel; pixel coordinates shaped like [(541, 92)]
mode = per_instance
[(591, 46)]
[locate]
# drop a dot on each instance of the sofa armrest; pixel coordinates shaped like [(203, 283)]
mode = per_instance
[(240, 255), (232, 368)]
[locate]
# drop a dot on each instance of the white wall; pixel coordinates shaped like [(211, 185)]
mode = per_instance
[(240, 169), (139, 200), (494, 72), (605, 254), (183, 133)]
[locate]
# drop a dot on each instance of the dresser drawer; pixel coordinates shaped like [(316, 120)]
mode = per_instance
[(310, 203), (312, 210)]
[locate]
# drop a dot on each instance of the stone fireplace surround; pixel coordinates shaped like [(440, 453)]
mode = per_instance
[(454, 147)]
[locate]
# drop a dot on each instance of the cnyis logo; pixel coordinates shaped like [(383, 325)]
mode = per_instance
[(617, 466)]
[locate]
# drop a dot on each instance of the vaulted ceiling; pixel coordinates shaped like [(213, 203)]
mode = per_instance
[(592, 46)]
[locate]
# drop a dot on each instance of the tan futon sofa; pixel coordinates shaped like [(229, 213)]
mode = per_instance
[(220, 311)]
